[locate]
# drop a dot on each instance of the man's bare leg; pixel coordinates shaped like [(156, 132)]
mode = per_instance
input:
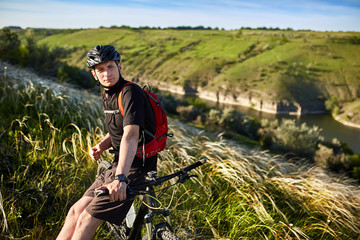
[(86, 226), (72, 217)]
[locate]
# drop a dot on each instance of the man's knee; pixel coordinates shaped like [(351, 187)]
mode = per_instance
[(78, 208), (73, 212), (85, 219)]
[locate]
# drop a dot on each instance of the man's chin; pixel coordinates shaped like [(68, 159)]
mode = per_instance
[(108, 84)]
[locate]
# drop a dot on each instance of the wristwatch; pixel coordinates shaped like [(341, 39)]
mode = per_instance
[(121, 178)]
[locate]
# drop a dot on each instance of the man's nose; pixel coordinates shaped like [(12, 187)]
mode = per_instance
[(107, 73)]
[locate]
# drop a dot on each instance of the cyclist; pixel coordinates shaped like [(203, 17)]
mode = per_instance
[(125, 134)]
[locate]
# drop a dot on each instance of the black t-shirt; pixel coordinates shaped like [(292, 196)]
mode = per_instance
[(137, 111)]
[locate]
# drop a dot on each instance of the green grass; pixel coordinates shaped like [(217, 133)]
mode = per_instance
[(353, 106), (241, 193), (299, 66)]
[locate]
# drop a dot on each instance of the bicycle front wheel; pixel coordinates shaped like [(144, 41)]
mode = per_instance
[(118, 232), (167, 235)]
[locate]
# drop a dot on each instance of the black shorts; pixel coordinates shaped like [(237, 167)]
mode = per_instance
[(101, 207)]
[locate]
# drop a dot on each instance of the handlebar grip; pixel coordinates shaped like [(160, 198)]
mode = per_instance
[(101, 192), (195, 165)]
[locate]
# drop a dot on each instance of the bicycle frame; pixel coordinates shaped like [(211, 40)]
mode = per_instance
[(148, 209)]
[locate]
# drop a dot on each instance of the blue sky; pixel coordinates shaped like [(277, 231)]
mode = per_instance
[(319, 15)]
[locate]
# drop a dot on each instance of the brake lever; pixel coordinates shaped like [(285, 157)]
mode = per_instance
[(185, 177)]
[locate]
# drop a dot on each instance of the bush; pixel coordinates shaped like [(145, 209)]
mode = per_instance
[(188, 113), (170, 103), (323, 156), (75, 76), (355, 163), (198, 103), (332, 105), (228, 118), (301, 140), (214, 118), (264, 133)]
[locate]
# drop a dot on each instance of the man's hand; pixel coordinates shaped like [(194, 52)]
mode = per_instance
[(117, 190), (95, 152)]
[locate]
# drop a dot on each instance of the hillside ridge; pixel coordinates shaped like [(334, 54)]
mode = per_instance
[(274, 71)]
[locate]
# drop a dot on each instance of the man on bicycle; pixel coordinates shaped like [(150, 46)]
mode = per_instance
[(125, 135)]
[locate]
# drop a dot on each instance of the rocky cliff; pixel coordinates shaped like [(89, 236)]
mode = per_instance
[(251, 99)]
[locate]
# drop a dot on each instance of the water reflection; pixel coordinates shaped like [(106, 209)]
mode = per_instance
[(330, 128)]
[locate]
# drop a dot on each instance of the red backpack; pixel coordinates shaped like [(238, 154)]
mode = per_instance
[(159, 139)]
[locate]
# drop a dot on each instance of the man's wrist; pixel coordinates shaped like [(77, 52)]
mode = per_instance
[(121, 178), (100, 146)]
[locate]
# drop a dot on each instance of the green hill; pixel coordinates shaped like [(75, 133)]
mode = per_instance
[(298, 70)]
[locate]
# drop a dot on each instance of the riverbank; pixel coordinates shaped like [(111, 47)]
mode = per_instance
[(341, 118), (251, 99), (275, 107)]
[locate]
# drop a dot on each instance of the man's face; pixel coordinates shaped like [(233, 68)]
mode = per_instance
[(107, 73)]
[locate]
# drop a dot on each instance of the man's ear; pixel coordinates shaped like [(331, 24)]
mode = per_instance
[(120, 67)]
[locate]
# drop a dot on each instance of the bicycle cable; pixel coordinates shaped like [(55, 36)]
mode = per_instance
[(162, 192), (154, 208)]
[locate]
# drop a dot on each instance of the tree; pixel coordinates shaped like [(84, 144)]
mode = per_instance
[(10, 46)]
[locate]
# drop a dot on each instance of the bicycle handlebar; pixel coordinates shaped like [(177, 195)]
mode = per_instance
[(157, 181)]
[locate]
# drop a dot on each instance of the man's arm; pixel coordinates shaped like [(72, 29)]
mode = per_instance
[(97, 150), (128, 147)]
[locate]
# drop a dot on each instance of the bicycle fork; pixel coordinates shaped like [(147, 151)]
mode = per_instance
[(148, 222), (148, 219)]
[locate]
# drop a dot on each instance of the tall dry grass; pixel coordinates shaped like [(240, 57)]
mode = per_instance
[(251, 194), (45, 133), (240, 193)]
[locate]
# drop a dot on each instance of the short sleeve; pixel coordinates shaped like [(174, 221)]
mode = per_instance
[(133, 102)]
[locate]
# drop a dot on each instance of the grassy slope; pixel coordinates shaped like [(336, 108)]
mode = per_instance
[(293, 65), (244, 194)]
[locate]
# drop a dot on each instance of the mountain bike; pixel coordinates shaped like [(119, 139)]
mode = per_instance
[(146, 209)]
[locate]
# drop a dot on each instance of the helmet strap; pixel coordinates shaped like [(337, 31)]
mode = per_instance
[(118, 69)]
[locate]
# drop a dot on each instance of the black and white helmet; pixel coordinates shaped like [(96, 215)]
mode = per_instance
[(100, 54)]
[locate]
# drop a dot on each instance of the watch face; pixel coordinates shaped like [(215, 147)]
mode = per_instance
[(121, 178)]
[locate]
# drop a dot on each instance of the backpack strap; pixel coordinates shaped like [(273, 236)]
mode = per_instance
[(121, 108)]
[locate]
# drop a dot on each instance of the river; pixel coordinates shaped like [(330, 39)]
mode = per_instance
[(330, 127)]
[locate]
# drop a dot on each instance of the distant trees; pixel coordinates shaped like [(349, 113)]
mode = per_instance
[(10, 46), (173, 28), (200, 27), (44, 61)]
